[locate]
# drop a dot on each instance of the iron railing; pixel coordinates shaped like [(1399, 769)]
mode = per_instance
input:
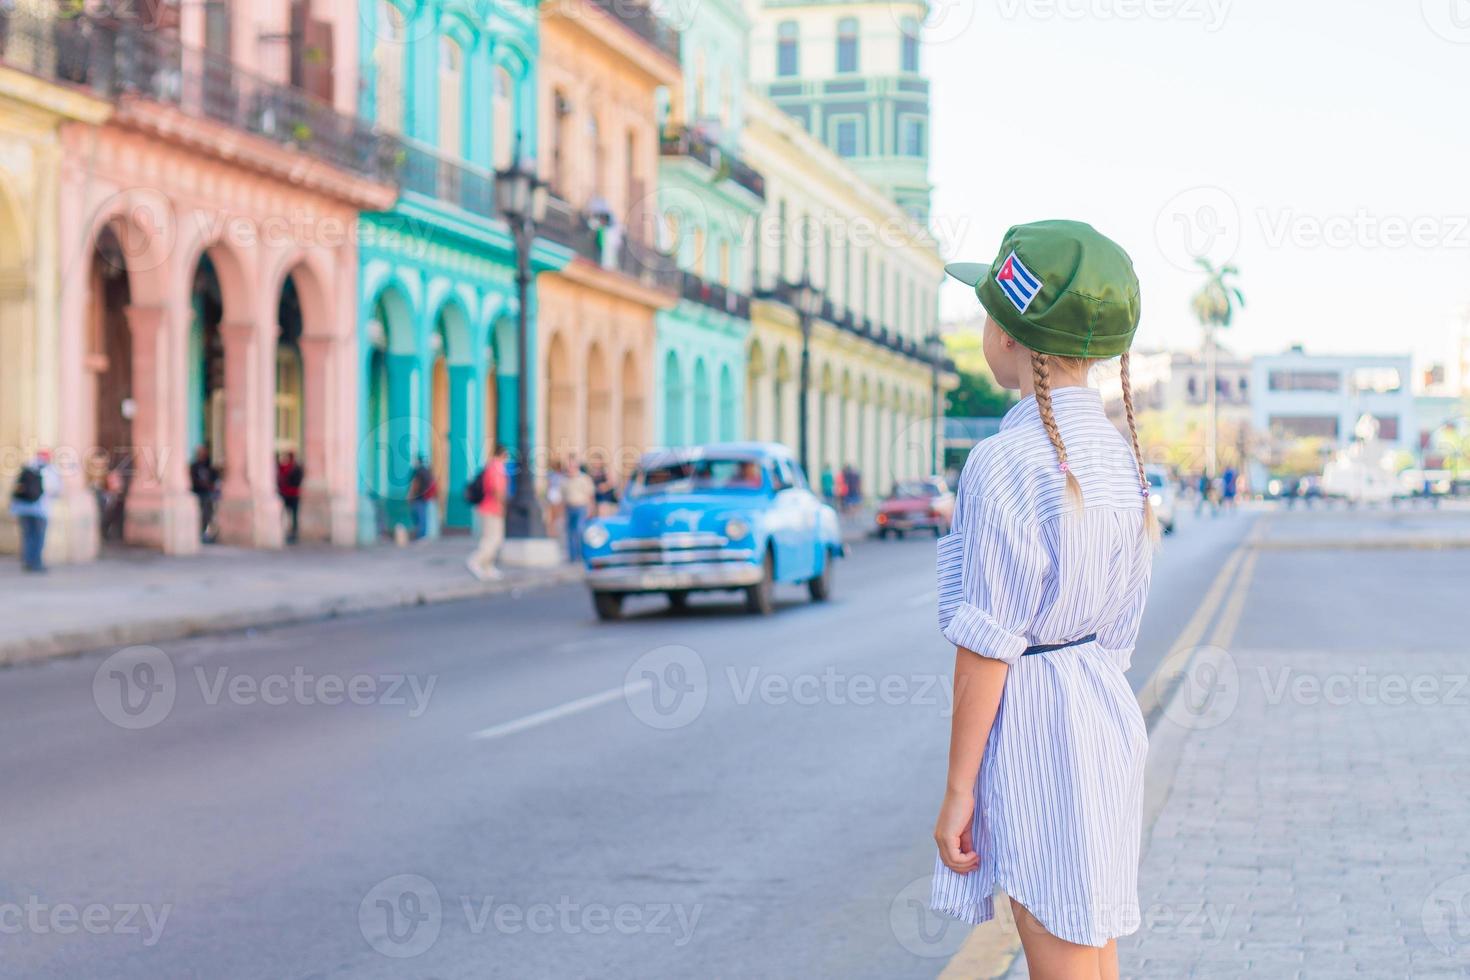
[(681, 141), (636, 16), (715, 296), (117, 60), (423, 170), (594, 239), (784, 292)]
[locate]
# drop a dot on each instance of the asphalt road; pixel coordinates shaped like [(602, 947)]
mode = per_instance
[(505, 788)]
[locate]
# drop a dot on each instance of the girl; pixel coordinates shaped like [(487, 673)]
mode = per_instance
[(1041, 586)]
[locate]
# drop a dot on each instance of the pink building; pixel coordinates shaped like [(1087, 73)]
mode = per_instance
[(208, 262)]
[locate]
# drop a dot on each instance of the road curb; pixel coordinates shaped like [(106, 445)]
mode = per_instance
[(72, 642)]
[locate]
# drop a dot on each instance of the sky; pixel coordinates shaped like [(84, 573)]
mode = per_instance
[(1322, 146)]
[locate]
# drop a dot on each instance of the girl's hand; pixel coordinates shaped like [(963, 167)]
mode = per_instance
[(952, 832)]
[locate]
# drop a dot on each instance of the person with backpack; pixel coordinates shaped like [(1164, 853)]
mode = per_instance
[(423, 490), (36, 487), (288, 485), (487, 492)]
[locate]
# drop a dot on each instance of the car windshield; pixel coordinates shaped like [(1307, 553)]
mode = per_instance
[(687, 476), (916, 489)]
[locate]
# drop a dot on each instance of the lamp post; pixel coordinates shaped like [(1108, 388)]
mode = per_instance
[(805, 297), (520, 197), (934, 346)]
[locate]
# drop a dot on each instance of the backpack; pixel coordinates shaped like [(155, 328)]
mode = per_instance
[(28, 485), (474, 491)]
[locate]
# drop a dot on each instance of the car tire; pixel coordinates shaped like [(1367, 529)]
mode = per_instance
[(678, 601), (609, 605), (821, 586), (760, 597)]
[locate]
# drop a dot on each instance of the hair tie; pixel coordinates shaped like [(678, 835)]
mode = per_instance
[(1143, 491), (1063, 466)]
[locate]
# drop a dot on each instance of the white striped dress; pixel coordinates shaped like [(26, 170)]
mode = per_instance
[(1058, 799)]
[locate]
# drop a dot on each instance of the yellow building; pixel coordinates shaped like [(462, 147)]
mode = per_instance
[(34, 104), (872, 377)]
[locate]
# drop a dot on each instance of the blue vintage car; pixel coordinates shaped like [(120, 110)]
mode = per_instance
[(719, 517)]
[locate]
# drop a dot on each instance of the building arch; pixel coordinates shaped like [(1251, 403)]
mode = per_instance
[(561, 392), (600, 427), (703, 403), (634, 424), (675, 425)]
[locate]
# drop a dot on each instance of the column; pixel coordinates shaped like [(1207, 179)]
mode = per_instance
[(331, 451), (161, 513), (249, 508)]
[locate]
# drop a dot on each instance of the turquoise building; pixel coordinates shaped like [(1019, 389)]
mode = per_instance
[(456, 79), (709, 201)]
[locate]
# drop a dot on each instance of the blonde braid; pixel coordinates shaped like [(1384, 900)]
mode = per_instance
[(1150, 519), (1041, 379)]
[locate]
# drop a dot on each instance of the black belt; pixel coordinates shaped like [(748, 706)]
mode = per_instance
[(1049, 647)]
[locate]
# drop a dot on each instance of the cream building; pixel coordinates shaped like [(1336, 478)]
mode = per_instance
[(870, 401)]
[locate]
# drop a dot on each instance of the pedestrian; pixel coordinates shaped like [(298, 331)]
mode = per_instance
[(554, 515), (853, 485), (204, 482), (1228, 487), (578, 494), (605, 488), (288, 485), (1206, 488), (488, 493), (36, 488), (1041, 589), (839, 489), (828, 484), (423, 490)]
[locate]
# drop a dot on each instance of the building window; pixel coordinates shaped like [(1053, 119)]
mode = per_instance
[(787, 46), (451, 90), (1303, 426), (847, 136), (847, 45), (725, 264), (388, 60), (911, 137), (1388, 427), (1330, 381), (503, 118), (1382, 380), (910, 54)]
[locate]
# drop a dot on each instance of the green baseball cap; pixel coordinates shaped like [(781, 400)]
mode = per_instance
[(1059, 287)]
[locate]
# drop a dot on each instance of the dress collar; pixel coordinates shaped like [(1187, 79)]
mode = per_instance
[(1072, 396)]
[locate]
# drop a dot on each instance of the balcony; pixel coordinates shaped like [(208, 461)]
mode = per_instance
[(864, 327), (423, 170), (128, 60), (685, 142), (715, 296), (594, 240), (636, 16)]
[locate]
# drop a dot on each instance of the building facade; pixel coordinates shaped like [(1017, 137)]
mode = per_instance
[(36, 99), (603, 67), (709, 200), (871, 399), (851, 73), (207, 231), (1296, 396), (437, 299)]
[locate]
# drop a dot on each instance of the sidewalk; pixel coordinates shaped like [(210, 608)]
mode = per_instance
[(143, 597), (135, 596)]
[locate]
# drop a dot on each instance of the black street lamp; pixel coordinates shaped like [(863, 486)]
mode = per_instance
[(805, 298), (520, 197), (934, 346)]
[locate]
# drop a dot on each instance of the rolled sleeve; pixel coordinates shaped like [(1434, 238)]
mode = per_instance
[(991, 575)]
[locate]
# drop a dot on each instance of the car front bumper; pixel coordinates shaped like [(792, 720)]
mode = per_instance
[(666, 578)]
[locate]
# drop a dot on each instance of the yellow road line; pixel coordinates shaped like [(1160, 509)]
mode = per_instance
[(991, 948)]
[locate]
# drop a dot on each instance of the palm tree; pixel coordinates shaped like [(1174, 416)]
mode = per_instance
[(1214, 306)]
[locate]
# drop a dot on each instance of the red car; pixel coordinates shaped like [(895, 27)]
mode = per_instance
[(916, 505)]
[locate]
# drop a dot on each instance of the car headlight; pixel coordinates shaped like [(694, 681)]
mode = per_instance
[(595, 536), (736, 529)]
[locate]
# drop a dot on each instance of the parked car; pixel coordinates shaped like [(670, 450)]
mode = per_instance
[(1162, 496), (732, 516), (916, 505)]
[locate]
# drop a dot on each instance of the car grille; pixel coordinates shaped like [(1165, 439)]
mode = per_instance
[(674, 548)]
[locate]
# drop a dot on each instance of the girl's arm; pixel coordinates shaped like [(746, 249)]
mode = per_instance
[(978, 683)]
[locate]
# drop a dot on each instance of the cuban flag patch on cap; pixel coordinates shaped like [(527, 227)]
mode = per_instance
[(1019, 283)]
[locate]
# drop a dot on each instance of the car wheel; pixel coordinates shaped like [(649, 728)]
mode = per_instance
[(609, 605), (678, 601), (821, 586), (760, 597)]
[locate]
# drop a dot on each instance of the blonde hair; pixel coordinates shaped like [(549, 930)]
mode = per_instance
[(1041, 380)]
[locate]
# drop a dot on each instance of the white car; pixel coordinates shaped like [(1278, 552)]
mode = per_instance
[(1161, 496)]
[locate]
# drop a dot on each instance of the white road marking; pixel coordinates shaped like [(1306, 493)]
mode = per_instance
[(562, 710)]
